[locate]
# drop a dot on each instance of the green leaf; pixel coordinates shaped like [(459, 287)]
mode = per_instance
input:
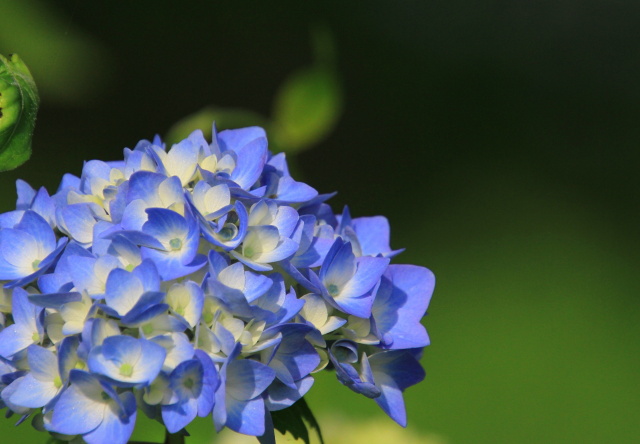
[(296, 420), (224, 118), (18, 108), (306, 108)]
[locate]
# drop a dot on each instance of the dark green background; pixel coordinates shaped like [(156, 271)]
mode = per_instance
[(500, 138)]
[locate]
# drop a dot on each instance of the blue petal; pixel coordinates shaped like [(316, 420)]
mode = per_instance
[(398, 365), (148, 307), (123, 290), (392, 402), (369, 271), (144, 185), (246, 416), (173, 266), (247, 379), (235, 139), (14, 245), (77, 220), (281, 396), (255, 285), (165, 225), (145, 358), (33, 393), (400, 303), (43, 364), (373, 234), (24, 312), (117, 426), (54, 300), (36, 226), (67, 356), (251, 159), (14, 339), (339, 265), (294, 356), (25, 195), (78, 409), (210, 384), (178, 416), (291, 191), (10, 219), (46, 263), (148, 275)]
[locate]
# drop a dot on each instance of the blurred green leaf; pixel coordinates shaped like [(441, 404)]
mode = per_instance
[(224, 118), (296, 421), (71, 65), (306, 108), (18, 108)]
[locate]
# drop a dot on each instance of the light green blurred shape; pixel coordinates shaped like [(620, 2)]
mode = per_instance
[(307, 108), (309, 103), (202, 120), (68, 65)]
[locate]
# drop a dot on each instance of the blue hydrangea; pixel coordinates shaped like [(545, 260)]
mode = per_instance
[(199, 281)]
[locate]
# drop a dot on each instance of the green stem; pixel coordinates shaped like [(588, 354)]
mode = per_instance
[(173, 438)]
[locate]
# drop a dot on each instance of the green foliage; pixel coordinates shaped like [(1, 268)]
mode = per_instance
[(18, 108), (296, 420)]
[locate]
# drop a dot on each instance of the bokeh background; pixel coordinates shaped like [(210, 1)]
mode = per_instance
[(500, 138)]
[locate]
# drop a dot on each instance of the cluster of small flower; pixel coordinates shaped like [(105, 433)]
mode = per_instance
[(200, 281)]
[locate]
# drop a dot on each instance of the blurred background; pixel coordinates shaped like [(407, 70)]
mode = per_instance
[(500, 138)]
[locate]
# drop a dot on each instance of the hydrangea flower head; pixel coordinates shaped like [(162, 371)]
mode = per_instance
[(200, 280)]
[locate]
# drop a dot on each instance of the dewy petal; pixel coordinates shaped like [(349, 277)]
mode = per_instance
[(43, 364), (14, 339), (118, 423), (80, 408), (34, 393)]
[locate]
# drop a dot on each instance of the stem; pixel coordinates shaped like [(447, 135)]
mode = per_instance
[(173, 438)]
